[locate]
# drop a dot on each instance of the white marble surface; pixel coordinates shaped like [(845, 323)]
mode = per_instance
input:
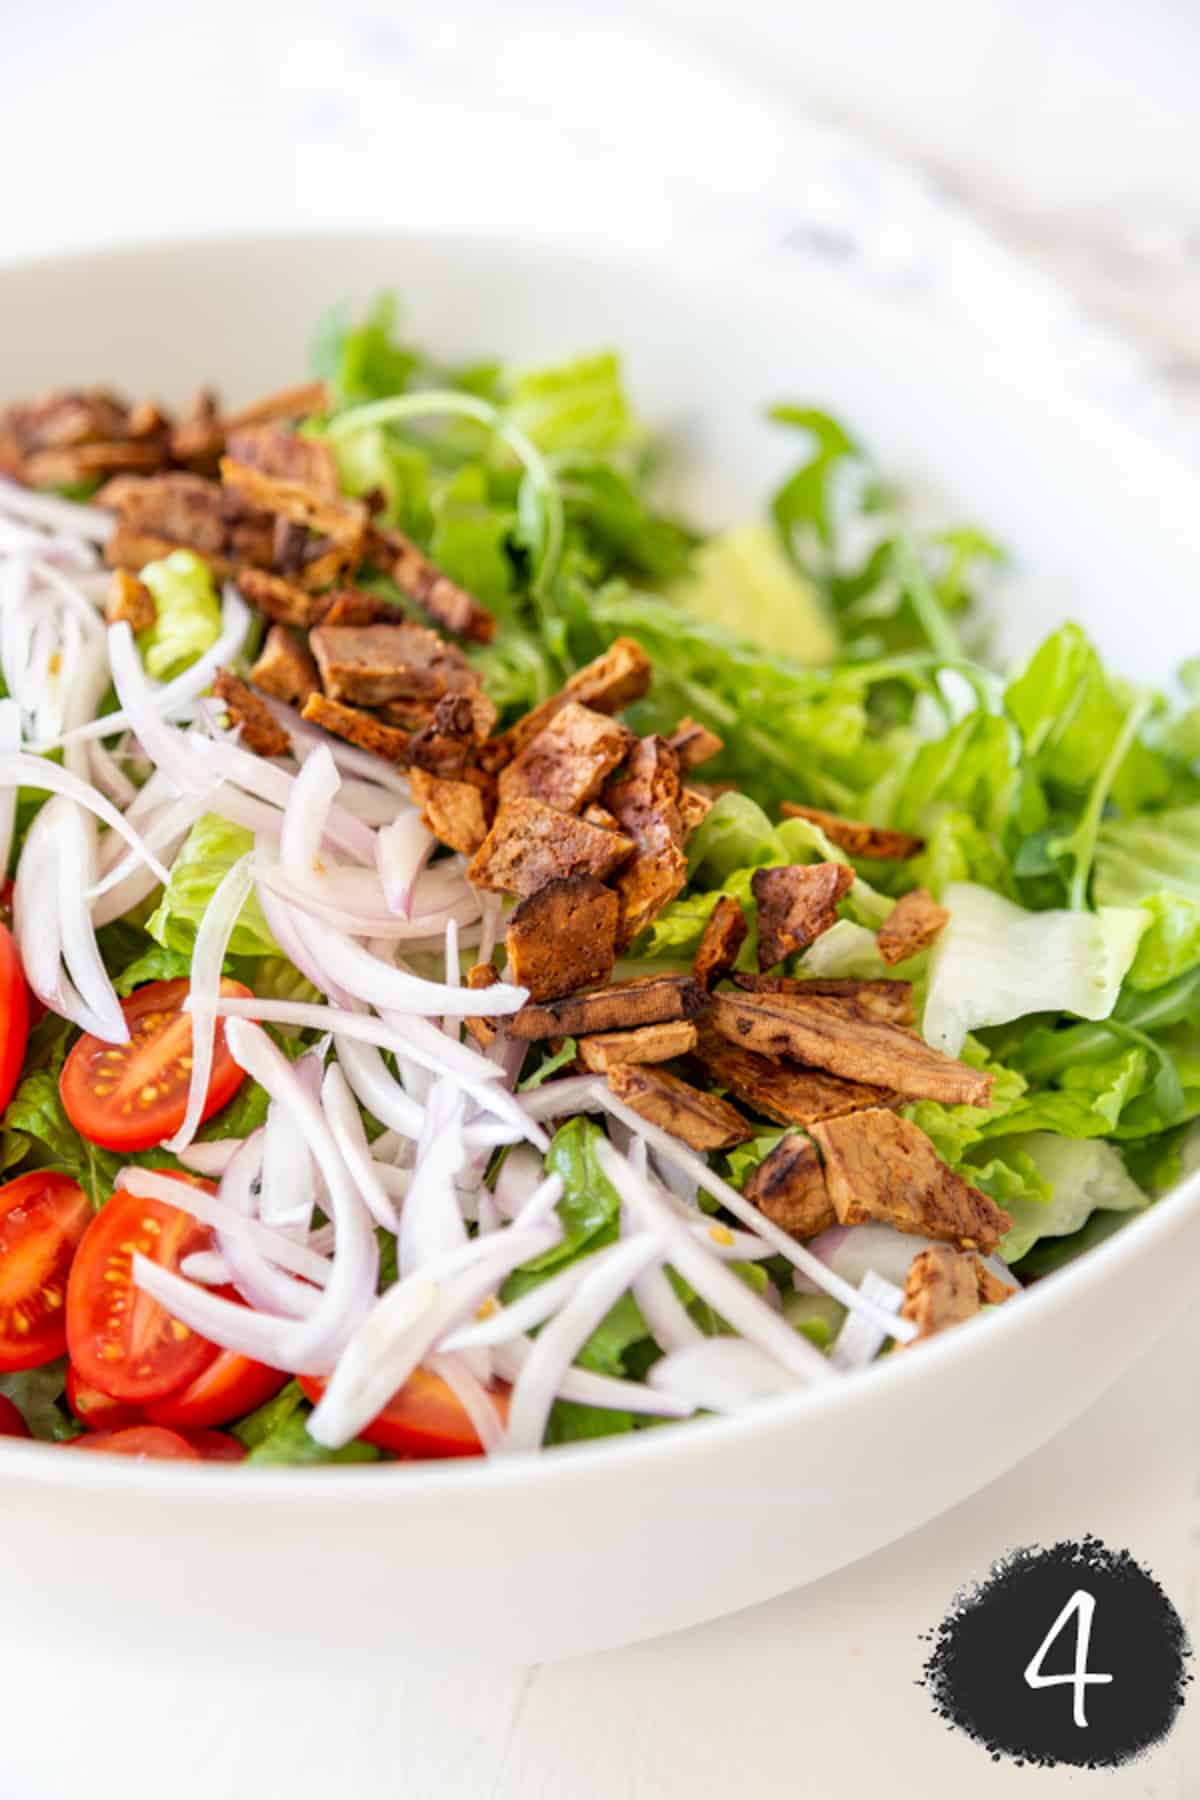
[(774, 131)]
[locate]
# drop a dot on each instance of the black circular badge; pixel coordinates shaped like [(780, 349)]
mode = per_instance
[(1068, 1655)]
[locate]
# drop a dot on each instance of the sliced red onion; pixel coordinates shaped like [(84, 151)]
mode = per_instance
[(798, 1254), (401, 851), (532, 1309), (210, 1159), (588, 1389), (375, 806), (76, 837), (281, 923), (712, 1280), (91, 522), (722, 1374), (493, 915), (108, 775), (25, 541), (318, 898), (159, 703), (719, 1240), (208, 959), (609, 1275), (860, 1339), (78, 607), (472, 1396), (432, 1049), (345, 1121), (233, 1224), (453, 968), (10, 742), (373, 1085), (208, 1267), (288, 1190), (356, 1263), (520, 1176), (408, 1321), (667, 1318), (259, 1279), (392, 990), (170, 825), (432, 1225), (17, 769), (542, 1202), (35, 923), (264, 778), (261, 1336), (561, 1098)]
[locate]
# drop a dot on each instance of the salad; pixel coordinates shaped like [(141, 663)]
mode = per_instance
[(489, 963)]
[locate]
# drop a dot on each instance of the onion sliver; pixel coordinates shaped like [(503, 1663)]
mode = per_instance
[(722, 1374), (17, 769), (298, 1259), (345, 1121), (208, 959)]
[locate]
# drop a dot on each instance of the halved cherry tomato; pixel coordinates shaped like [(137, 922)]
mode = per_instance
[(121, 1341), (216, 1446), (12, 1421), (42, 1219), (14, 1016), (139, 1440), (132, 1096), (230, 1386), (97, 1411), (424, 1419)]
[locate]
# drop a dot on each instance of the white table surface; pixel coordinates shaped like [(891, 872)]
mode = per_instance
[(778, 131)]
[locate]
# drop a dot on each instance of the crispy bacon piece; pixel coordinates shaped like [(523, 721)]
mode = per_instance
[(283, 601), (198, 437), (351, 606), (283, 406), (455, 811), (702, 1120), (622, 1006), (645, 1044), (446, 742), (881, 1166), (890, 1001), (694, 744), (130, 600), (343, 522), (283, 455), (869, 842), (788, 1187), (453, 608), (911, 926), (260, 731), (820, 1033), (285, 669), (644, 799), (724, 936), (608, 684), (178, 509), (796, 904), (782, 1090), (367, 664), (563, 937), (944, 1287), (568, 763), (481, 975), (530, 844), (694, 808), (69, 467), (357, 727)]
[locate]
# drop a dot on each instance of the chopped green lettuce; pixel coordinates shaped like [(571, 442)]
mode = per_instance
[(1077, 1177), (209, 851), (742, 579), (189, 614)]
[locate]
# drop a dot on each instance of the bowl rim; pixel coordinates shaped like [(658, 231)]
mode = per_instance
[(1144, 463)]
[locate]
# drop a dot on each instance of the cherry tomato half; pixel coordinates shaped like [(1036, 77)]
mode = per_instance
[(96, 1411), (215, 1446), (231, 1386), (425, 1419), (141, 1441), (132, 1096), (12, 1421), (14, 1016), (43, 1217), (121, 1341)]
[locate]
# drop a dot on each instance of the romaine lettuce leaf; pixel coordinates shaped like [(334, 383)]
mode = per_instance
[(208, 852), (1079, 1177), (577, 406), (189, 614)]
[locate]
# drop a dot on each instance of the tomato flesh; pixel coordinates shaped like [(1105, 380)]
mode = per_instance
[(14, 1016), (12, 1421), (43, 1217), (141, 1441), (132, 1096), (215, 1446), (230, 1387), (425, 1419), (122, 1341), (97, 1411)]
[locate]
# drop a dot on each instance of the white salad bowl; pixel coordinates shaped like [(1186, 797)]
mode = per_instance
[(598, 1544)]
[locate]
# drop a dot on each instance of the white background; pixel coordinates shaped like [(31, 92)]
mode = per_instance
[(1008, 164)]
